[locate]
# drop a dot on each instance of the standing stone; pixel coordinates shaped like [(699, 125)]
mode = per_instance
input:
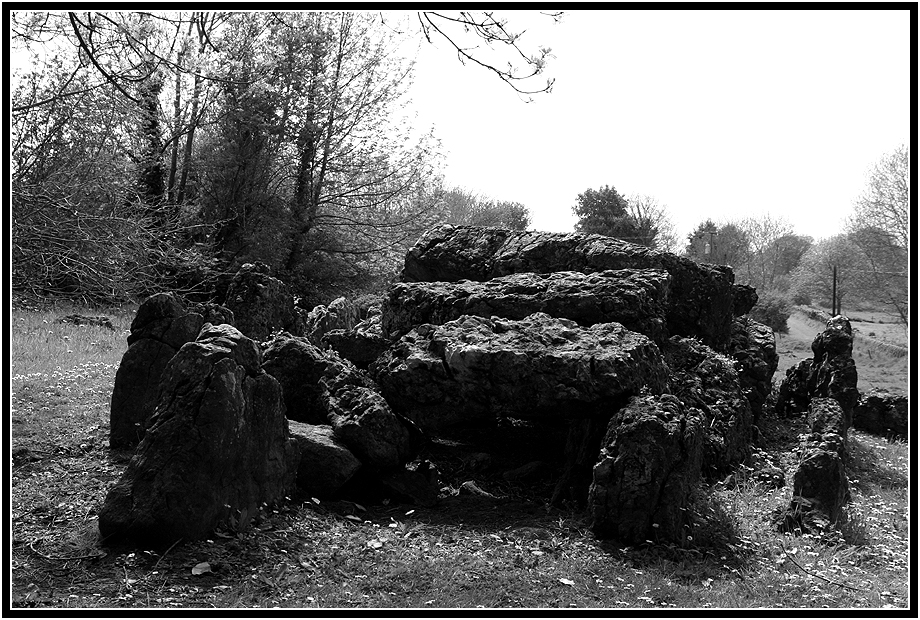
[(648, 467), (753, 346), (261, 304), (340, 314), (163, 324), (216, 449), (298, 366), (708, 381), (830, 373)]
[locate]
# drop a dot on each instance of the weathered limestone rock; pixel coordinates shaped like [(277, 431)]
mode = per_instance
[(882, 413), (298, 366), (648, 467), (820, 487), (163, 323), (361, 345), (636, 298), (261, 304), (363, 421), (701, 296), (831, 372), (216, 449), (753, 346), (325, 465), (706, 380), (340, 314), (540, 367), (745, 298)]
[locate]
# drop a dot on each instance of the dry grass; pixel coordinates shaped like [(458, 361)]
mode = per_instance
[(467, 552)]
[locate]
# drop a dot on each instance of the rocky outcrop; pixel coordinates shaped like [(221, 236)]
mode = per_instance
[(648, 467), (745, 298), (163, 323), (830, 373), (820, 487), (701, 296), (216, 450), (636, 298), (753, 346), (324, 465), (261, 304), (540, 367), (882, 413), (340, 314), (708, 381), (361, 345)]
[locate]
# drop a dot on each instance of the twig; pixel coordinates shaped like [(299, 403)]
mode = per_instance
[(830, 581), (165, 552), (67, 559)]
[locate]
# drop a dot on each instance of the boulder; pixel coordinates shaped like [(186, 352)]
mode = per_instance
[(701, 296), (361, 345), (324, 464), (298, 365), (340, 314), (882, 413), (163, 324), (363, 421), (539, 367), (753, 346), (825, 415), (635, 298), (647, 470), (830, 373), (261, 304), (708, 381), (215, 452)]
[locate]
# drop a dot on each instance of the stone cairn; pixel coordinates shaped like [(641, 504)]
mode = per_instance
[(642, 357), (822, 387)]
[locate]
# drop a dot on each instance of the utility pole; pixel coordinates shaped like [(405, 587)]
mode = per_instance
[(835, 310), (710, 247)]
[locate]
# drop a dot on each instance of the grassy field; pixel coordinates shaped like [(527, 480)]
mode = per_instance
[(467, 552)]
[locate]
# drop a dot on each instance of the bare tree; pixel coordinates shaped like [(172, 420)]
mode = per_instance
[(653, 223)]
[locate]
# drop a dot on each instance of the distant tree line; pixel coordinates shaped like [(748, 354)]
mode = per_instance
[(871, 256)]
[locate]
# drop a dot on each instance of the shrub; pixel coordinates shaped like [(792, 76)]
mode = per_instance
[(773, 310)]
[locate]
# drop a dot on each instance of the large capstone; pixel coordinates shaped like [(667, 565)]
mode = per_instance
[(540, 367), (163, 323), (648, 467), (636, 298), (701, 297), (215, 452)]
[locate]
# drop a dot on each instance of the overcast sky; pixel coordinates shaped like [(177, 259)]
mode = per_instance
[(719, 114)]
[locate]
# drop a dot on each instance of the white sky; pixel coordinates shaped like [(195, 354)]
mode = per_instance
[(719, 114)]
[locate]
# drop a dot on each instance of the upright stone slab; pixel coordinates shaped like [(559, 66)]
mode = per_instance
[(473, 369), (262, 304), (708, 381), (646, 472), (753, 346), (163, 323), (701, 295), (636, 298), (882, 413), (217, 448)]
